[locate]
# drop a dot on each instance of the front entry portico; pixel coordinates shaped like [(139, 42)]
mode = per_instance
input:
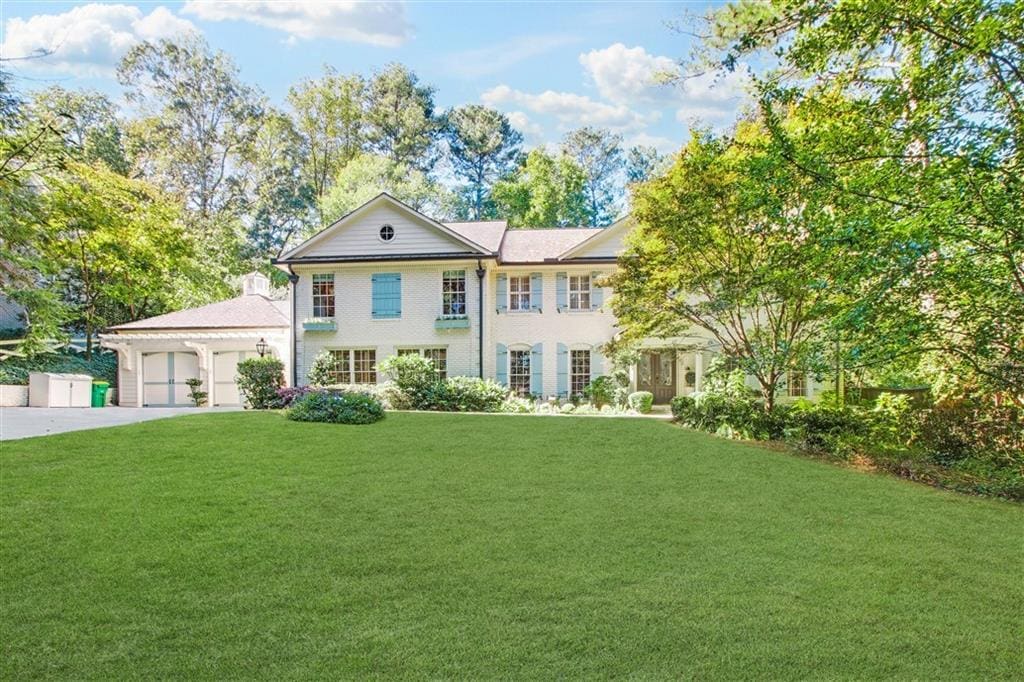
[(656, 373)]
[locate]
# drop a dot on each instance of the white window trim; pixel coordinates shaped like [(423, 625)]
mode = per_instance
[(528, 292), (352, 363), (518, 348), (569, 290), (313, 295), (394, 233), (465, 296)]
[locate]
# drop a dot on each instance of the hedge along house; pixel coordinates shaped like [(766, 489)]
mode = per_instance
[(521, 306), (156, 356)]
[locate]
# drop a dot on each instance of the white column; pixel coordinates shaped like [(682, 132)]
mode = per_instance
[(698, 370)]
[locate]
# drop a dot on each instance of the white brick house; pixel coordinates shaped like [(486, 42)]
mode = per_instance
[(518, 306)]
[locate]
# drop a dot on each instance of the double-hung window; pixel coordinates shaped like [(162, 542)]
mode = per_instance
[(797, 384), (353, 366), (579, 292), (579, 371), (519, 293), (519, 371), (323, 295), (453, 293)]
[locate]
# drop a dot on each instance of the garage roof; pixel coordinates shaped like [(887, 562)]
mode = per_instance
[(252, 311)]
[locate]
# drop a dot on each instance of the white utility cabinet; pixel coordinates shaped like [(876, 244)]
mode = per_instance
[(52, 389)]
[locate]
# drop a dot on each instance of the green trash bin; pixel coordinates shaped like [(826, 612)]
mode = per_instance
[(99, 393)]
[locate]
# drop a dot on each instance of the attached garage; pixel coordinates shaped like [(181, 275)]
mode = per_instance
[(158, 355)]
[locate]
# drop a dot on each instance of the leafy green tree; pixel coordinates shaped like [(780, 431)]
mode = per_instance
[(401, 124), (30, 148), (599, 153), (280, 202), (914, 119), (641, 163), (366, 176), (723, 245), (330, 115), (546, 191), (482, 148), (92, 128), (117, 247)]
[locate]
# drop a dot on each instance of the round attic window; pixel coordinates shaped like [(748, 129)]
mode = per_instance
[(387, 233)]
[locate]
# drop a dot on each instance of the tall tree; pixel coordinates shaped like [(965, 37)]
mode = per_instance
[(916, 120), (400, 118), (118, 247), (722, 246), (599, 153), (367, 175), (641, 163), (92, 128), (279, 200), (546, 191), (483, 147), (330, 115), (200, 119)]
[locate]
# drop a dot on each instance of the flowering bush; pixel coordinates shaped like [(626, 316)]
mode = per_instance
[(259, 380), (336, 408)]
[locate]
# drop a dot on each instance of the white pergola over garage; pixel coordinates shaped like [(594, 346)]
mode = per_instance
[(157, 356)]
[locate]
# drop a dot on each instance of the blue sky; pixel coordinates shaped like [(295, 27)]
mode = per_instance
[(550, 66)]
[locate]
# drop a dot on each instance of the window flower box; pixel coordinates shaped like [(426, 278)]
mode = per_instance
[(319, 324), (452, 322)]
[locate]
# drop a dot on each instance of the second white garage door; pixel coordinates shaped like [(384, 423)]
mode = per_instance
[(164, 376), (225, 371)]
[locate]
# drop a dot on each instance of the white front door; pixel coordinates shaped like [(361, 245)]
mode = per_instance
[(164, 376), (225, 372)]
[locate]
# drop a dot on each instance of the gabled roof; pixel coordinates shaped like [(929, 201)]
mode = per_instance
[(580, 249), (487, 233), (471, 245), (542, 244), (253, 311)]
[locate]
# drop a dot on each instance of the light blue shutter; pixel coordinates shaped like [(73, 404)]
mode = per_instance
[(501, 302), (561, 291), (387, 295), (536, 291), (596, 292), (563, 370), (596, 364), (537, 369), (501, 368)]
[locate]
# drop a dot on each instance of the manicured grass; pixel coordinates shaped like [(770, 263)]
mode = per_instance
[(245, 545)]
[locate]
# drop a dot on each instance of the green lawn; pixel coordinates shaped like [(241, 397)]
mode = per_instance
[(245, 545)]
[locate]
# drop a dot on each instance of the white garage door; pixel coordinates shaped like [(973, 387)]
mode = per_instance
[(225, 371), (164, 376)]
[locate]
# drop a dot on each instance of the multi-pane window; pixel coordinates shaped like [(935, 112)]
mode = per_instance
[(364, 367), (353, 366), (519, 371), (519, 293), (579, 292), (453, 293), (438, 356), (323, 295), (579, 371), (797, 382)]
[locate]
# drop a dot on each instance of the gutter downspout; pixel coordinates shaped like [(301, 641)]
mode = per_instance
[(480, 273), (293, 279)]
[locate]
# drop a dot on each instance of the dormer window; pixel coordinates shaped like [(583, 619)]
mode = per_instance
[(387, 233)]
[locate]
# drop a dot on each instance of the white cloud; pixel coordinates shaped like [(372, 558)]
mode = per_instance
[(714, 98), (88, 40), (375, 23), (569, 109), (664, 145), (532, 132), (627, 75), (499, 56)]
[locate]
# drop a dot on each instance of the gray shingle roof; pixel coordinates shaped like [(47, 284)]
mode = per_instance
[(486, 233), (254, 311), (539, 244)]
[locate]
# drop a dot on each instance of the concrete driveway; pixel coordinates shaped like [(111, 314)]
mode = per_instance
[(24, 422)]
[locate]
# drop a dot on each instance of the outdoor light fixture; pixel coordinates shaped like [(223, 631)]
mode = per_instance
[(261, 347)]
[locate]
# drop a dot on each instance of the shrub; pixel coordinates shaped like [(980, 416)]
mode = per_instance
[(517, 405), (826, 428), (892, 420), (198, 397), (259, 380), (102, 366), (321, 370), (413, 379), (683, 407), (466, 394), (641, 401), (336, 408), (287, 396), (604, 390)]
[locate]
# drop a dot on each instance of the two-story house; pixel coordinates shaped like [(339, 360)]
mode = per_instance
[(520, 306)]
